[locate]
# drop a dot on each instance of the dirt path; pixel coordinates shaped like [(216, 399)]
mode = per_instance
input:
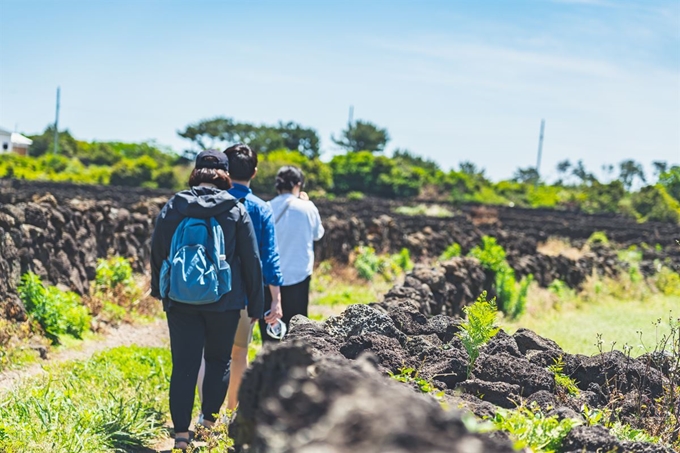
[(152, 334)]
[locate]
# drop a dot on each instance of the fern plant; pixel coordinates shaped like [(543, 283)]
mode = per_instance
[(561, 379), (478, 327)]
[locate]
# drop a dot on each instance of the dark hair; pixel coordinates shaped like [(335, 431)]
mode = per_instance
[(242, 161), (288, 177), (218, 177)]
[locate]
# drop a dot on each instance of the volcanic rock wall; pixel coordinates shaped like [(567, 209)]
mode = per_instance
[(58, 230), (318, 391), (61, 241)]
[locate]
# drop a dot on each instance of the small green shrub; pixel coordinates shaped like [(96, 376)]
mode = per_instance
[(561, 379), (598, 238), (355, 196), (367, 263), (408, 375), (511, 295), (402, 260), (113, 271), (451, 251), (490, 254), (561, 289), (478, 327), (530, 428), (58, 312), (668, 282)]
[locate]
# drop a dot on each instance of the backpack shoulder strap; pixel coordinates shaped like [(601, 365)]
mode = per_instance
[(285, 208)]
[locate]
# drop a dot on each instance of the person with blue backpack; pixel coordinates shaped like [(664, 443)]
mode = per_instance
[(242, 169), (205, 264)]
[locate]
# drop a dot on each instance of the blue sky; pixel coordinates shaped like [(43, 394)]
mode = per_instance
[(450, 80)]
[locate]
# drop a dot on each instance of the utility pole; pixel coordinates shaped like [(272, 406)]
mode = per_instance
[(56, 125), (540, 150)]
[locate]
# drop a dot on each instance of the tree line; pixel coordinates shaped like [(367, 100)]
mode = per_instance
[(362, 170)]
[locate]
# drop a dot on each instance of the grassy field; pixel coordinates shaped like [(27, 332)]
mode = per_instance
[(601, 323), (115, 401)]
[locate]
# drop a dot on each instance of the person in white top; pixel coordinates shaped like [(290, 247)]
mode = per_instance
[(297, 224)]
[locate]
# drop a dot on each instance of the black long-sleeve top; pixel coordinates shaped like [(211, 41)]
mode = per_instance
[(240, 242)]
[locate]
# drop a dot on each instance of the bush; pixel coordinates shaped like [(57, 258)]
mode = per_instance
[(366, 262), (318, 175), (58, 312), (654, 203), (490, 254), (511, 295), (113, 271), (355, 196), (133, 172), (531, 429), (451, 251)]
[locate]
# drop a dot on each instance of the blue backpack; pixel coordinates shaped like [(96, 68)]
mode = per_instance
[(196, 271)]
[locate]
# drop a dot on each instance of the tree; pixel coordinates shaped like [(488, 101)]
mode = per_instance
[(222, 132), (660, 167), (527, 175), (579, 170), (363, 136), (470, 168), (206, 133), (407, 158), (670, 179), (44, 143), (563, 167), (628, 171)]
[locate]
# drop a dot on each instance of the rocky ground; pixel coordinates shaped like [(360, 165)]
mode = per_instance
[(325, 388)]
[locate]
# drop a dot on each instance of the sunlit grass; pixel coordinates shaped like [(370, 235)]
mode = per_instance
[(577, 325), (114, 401)]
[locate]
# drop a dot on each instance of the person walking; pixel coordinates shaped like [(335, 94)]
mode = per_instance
[(204, 264), (242, 169), (297, 225)]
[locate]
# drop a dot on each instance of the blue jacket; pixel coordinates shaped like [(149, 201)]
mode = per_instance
[(263, 224)]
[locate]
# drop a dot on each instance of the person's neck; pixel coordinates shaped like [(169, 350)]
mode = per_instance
[(207, 184), (243, 183), (295, 193)]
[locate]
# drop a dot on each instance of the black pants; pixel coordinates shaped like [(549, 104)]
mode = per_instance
[(194, 334), (294, 301)]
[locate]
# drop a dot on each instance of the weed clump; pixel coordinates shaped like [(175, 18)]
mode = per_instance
[(367, 263), (530, 428), (511, 295), (58, 312), (451, 251)]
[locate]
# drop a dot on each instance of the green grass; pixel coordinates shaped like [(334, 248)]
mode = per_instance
[(576, 328), (115, 401)]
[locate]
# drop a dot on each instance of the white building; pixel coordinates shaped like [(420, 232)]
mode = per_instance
[(13, 142)]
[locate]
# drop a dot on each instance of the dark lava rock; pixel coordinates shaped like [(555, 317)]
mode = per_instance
[(599, 439), (292, 402), (513, 370)]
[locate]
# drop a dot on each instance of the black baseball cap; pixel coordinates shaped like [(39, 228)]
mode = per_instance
[(212, 158)]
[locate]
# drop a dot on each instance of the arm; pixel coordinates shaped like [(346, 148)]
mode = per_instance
[(318, 226), (269, 250), (247, 251), (276, 311), (159, 252)]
